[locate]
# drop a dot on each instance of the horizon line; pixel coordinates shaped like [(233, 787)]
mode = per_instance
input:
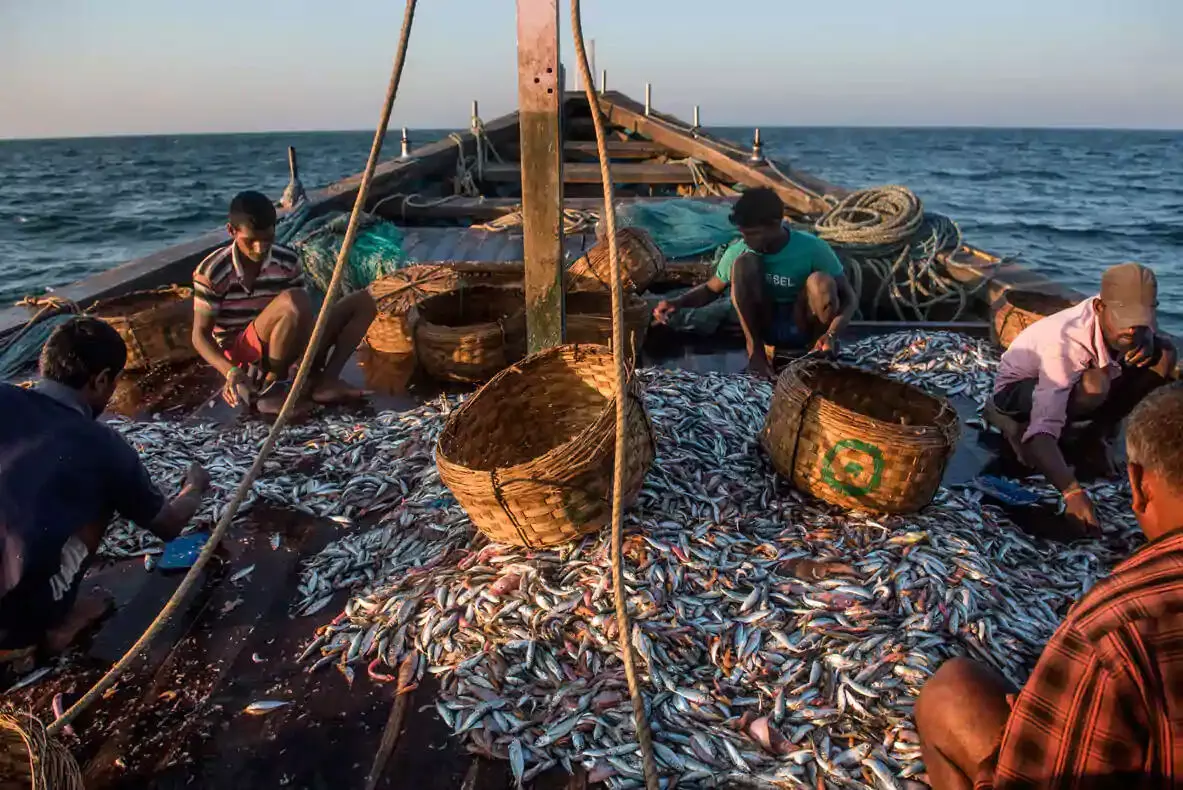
[(884, 127)]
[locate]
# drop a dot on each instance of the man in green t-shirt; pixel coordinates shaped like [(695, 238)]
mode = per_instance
[(787, 286)]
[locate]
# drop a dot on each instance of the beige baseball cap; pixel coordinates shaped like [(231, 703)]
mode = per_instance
[(1130, 294)]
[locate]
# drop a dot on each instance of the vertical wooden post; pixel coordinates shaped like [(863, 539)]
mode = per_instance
[(540, 100)]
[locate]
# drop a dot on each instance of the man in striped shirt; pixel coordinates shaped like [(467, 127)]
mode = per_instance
[(253, 319), (1104, 704)]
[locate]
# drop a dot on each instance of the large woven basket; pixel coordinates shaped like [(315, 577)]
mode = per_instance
[(1018, 309), (470, 333), (156, 326), (858, 439), (589, 320), (530, 455), (395, 294), (30, 759), (640, 263)]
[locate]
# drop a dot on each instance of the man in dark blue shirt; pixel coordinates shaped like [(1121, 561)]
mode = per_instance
[(63, 475)]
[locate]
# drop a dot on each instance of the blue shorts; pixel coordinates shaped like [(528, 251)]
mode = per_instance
[(785, 334)]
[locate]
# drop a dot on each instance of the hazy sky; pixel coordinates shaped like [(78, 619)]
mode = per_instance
[(83, 67)]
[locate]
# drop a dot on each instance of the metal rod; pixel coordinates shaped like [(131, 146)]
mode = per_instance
[(603, 80), (406, 144), (476, 113), (696, 116), (648, 97), (757, 147)]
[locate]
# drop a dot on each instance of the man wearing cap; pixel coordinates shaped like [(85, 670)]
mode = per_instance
[(1092, 362)]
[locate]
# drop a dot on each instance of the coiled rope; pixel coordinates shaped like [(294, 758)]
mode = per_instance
[(302, 374), (885, 230), (623, 627)]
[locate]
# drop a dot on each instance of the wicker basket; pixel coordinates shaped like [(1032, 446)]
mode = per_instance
[(589, 320), (530, 455), (30, 759), (857, 439), (470, 333), (1017, 309), (397, 293), (156, 326), (640, 263)]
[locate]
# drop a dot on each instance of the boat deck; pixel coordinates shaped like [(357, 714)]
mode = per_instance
[(177, 720)]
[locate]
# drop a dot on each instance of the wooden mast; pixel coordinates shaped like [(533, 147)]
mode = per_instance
[(540, 101)]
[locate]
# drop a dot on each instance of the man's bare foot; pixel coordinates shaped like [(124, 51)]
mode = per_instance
[(272, 400), (336, 391), (88, 610)]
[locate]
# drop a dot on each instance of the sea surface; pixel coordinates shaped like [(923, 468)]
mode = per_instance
[(1067, 203)]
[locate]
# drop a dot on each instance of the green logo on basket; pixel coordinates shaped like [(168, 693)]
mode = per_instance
[(845, 468)]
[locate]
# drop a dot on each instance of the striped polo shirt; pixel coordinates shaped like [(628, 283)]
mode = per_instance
[(218, 288)]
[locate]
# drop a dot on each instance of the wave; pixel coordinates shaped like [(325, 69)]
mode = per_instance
[(1150, 231), (978, 176)]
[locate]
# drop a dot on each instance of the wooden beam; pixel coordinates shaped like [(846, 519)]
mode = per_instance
[(540, 98), (617, 149), (589, 173), (484, 209), (624, 112)]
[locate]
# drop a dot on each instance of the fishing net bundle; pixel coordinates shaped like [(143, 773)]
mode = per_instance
[(377, 250)]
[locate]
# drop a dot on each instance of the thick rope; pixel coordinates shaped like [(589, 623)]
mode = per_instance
[(886, 231), (623, 627), (302, 374)]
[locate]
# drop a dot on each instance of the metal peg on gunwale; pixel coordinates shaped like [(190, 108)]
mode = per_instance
[(696, 116), (603, 81), (757, 147), (476, 115), (648, 97), (406, 144)]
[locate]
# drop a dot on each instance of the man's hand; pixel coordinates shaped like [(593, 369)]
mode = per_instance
[(197, 478), (759, 367), (1079, 509), (663, 311), (1142, 354), (238, 388), (826, 345)]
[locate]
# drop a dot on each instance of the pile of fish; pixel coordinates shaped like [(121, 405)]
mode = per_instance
[(944, 363), (337, 467), (781, 641)]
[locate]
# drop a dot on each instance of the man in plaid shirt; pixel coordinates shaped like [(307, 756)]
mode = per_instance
[(1104, 704)]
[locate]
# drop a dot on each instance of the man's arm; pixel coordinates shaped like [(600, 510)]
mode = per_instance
[(180, 510), (204, 343), (1074, 719), (135, 497), (698, 296), (847, 305)]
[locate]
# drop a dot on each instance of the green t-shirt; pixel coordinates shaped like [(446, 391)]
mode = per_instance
[(785, 271)]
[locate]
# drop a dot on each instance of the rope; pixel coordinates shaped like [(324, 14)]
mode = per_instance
[(305, 369), (886, 231), (624, 629), (574, 221)]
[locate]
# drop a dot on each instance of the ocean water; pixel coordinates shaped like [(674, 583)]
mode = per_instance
[(1067, 203)]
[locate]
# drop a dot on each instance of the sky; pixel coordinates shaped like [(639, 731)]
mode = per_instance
[(81, 67)]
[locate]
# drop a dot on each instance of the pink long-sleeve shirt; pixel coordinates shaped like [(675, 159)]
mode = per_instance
[(1056, 351)]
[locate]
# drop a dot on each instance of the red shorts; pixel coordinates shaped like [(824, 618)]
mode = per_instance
[(246, 349)]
